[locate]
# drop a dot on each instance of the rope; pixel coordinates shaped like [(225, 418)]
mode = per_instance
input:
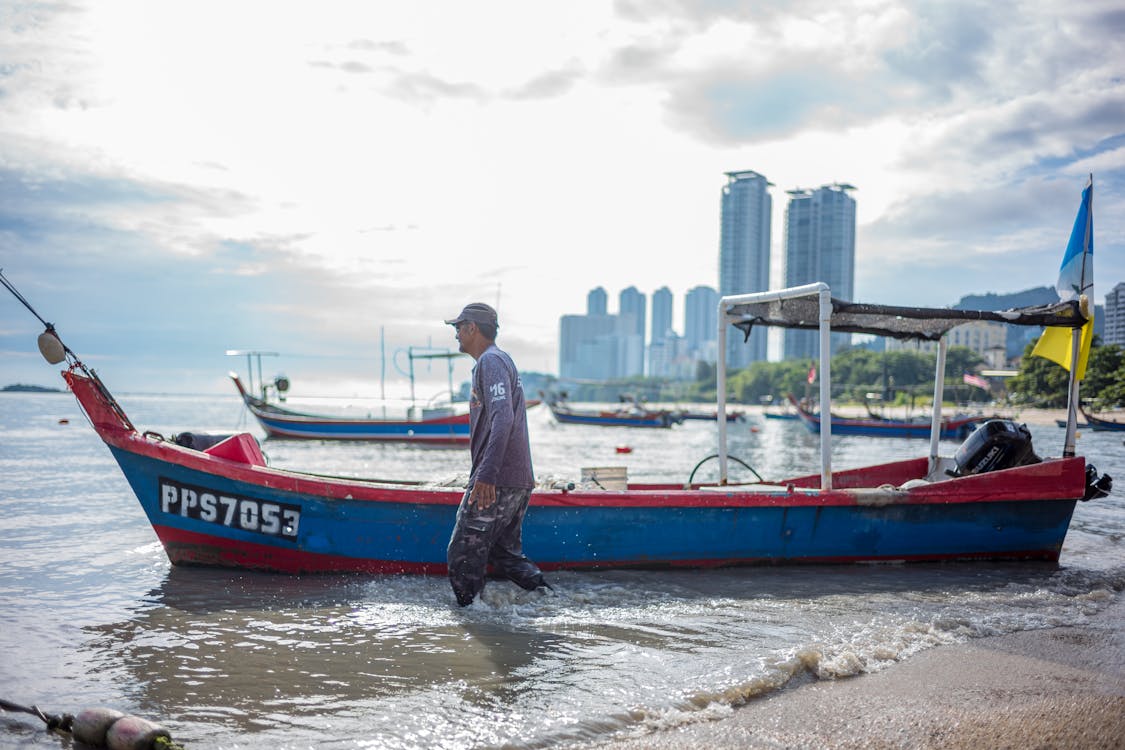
[(62, 722), (21, 298), (729, 458)]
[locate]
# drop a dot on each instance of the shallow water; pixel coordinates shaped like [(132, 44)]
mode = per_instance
[(92, 613)]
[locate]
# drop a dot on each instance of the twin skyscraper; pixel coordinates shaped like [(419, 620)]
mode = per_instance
[(819, 246)]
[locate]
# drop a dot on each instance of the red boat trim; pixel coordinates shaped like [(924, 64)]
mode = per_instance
[(190, 548)]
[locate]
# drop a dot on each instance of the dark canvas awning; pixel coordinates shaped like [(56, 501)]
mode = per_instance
[(925, 323)]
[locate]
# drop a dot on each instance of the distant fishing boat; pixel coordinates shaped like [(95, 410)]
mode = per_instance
[(786, 415), (432, 427), (1101, 423), (631, 413), (952, 428), (441, 426), (710, 416)]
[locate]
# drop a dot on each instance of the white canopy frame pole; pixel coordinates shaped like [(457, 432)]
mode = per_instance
[(825, 387), (725, 319), (939, 396), (721, 391)]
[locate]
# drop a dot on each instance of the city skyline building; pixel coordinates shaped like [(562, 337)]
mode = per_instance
[(1114, 327), (632, 309), (662, 306), (701, 323), (596, 301), (819, 246), (744, 252), (632, 302), (664, 346), (599, 347)]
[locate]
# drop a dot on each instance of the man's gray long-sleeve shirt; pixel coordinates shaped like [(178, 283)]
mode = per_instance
[(498, 423)]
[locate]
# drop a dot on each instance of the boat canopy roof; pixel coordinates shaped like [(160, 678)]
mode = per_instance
[(926, 323)]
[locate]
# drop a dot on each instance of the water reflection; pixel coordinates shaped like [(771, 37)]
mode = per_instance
[(257, 653)]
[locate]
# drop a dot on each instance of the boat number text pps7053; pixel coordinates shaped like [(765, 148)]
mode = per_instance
[(245, 513)]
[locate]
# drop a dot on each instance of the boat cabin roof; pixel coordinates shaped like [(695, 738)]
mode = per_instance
[(926, 323)]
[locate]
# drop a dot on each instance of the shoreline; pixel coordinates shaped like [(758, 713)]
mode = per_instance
[(1060, 688), (1037, 416)]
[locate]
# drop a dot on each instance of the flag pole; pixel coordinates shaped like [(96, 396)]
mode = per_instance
[(1072, 394), (1076, 333)]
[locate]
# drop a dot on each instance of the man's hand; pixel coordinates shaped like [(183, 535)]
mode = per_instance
[(483, 495)]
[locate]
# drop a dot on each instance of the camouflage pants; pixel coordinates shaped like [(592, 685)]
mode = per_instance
[(490, 536)]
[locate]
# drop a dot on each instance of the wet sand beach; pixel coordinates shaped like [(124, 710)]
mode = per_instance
[(1051, 688)]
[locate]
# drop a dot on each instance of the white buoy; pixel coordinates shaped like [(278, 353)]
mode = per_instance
[(134, 733), (91, 725), (51, 348)]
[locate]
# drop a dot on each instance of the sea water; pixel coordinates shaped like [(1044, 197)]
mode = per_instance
[(92, 613)]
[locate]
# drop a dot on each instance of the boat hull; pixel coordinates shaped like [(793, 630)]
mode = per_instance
[(224, 506), (658, 421), (283, 423), (452, 431), (951, 429), (1101, 424), (407, 530)]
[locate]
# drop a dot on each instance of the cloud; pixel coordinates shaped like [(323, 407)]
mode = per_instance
[(947, 46), (548, 85)]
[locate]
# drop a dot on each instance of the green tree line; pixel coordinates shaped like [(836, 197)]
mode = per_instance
[(1042, 383), (899, 377)]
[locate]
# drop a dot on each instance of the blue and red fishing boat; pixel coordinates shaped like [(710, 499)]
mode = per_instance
[(952, 428), (433, 427), (994, 499)]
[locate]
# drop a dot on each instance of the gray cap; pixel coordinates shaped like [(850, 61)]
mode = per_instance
[(476, 312)]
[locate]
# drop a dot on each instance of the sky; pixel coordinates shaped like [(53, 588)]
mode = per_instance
[(330, 180)]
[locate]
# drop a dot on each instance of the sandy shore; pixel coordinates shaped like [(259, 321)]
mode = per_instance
[(1057, 688)]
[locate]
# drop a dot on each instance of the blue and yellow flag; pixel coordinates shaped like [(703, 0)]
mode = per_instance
[(1076, 278)]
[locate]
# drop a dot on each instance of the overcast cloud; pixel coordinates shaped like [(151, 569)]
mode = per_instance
[(179, 179)]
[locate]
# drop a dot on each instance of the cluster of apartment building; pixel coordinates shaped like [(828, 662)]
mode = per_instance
[(819, 245)]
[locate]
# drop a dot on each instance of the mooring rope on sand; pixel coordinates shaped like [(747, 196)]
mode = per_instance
[(103, 727)]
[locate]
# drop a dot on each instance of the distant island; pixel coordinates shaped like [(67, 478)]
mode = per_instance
[(21, 388)]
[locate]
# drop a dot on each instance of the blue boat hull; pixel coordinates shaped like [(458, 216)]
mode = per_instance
[(951, 429), (224, 506), (325, 429), (570, 530)]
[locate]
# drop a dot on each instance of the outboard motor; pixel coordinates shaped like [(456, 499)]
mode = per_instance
[(1097, 486), (996, 444)]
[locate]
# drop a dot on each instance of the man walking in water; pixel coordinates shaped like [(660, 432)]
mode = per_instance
[(489, 526)]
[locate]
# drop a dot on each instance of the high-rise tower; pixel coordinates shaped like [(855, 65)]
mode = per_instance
[(596, 301), (744, 252), (701, 320), (661, 313), (1114, 330), (819, 246)]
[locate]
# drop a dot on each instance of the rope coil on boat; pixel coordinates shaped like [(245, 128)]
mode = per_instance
[(103, 727)]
